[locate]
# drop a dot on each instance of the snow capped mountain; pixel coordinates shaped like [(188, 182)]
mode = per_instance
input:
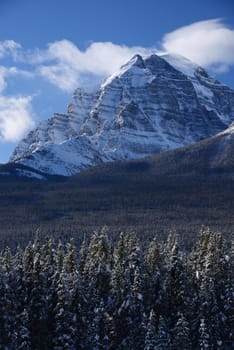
[(151, 104)]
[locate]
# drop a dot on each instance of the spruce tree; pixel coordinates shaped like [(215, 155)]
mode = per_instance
[(8, 301), (99, 335), (205, 342), (150, 338), (48, 271), (176, 283), (120, 289), (153, 276), (23, 337), (37, 307), (136, 312), (65, 327), (181, 334), (163, 341)]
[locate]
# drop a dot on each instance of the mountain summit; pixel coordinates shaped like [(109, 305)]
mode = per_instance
[(151, 104)]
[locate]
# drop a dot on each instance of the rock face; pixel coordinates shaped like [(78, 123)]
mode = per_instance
[(150, 105)]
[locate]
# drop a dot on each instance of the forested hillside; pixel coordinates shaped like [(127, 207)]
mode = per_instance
[(118, 295), (137, 196)]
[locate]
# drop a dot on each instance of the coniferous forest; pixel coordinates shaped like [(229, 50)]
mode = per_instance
[(118, 294)]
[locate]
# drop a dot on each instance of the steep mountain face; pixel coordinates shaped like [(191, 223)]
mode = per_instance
[(151, 104)]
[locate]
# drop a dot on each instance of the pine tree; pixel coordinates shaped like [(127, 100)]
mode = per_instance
[(96, 275), (48, 271), (37, 308), (204, 336), (75, 290), (136, 312), (99, 336), (48, 257), (176, 283), (163, 341), (60, 258), (83, 253), (181, 335), (70, 265), (120, 290), (23, 338), (20, 285), (153, 276), (64, 337), (228, 301), (128, 293), (150, 338), (2, 313), (8, 301), (214, 283), (210, 312)]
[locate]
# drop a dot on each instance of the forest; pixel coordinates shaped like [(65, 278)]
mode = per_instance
[(118, 294), (126, 196)]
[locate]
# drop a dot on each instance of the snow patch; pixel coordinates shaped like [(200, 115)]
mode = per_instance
[(181, 63), (203, 91), (31, 174)]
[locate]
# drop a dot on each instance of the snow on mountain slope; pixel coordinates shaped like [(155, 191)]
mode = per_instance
[(151, 104), (11, 171)]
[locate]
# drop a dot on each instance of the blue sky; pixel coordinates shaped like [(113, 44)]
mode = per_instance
[(49, 47)]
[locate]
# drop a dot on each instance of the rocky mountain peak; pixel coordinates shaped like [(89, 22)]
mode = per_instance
[(149, 105)]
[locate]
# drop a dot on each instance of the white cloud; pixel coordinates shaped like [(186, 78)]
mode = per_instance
[(61, 75), (3, 83), (65, 64), (105, 58), (208, 43), (15, 117), (9, 47)]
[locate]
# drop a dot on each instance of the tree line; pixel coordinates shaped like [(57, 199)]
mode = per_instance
[(118, 295)]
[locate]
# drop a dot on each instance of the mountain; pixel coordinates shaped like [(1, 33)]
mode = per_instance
[(151, 104)]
